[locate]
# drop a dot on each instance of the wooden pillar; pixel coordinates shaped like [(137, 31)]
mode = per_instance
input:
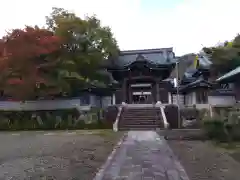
[(157, 90), (153, 91), (129, 94), (124, 90)]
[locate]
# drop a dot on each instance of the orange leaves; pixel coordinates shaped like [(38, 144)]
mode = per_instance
[(30, 42), (23, 46), (22, 51)]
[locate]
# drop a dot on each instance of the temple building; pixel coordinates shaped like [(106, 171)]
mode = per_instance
[(142, 76), (147, 77), (230, 85)]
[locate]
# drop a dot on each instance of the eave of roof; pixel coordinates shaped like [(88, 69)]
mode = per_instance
[(145, 51), (229, 75), (196, 84), (148, 64)]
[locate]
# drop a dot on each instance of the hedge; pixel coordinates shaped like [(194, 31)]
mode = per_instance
[(223, 128), (56, 119)]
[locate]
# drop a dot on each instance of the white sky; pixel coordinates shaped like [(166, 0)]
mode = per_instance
[(185, 26)]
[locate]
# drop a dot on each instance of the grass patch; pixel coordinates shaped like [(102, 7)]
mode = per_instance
[(233, 149), (100, 132), (230, 147), (104, 132)]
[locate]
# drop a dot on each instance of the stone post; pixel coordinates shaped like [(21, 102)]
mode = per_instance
[(113, 99), (169, 98)]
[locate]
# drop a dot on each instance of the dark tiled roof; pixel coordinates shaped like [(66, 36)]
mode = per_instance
[(145, 51), (185, 65), (197, 83), (187, 80), (160, 56)]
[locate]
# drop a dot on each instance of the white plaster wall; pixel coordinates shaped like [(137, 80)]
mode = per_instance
[(190, 98), (221, 100), (106, 101), (40, 104), (202, 106), (55, 104), (213, 101), (95, 101), (181, 99)]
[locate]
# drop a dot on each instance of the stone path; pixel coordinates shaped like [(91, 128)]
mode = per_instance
[(143, 155)]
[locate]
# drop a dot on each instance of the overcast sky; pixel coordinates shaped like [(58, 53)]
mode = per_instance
[(186, 25)]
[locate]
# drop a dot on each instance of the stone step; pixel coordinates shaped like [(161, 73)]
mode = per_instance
[(137, 122), (140, 108), (140, 123), (144, 125), (140, 117), (140, 111), (144, 115), (140, 120), (137, 128), (140, 126), (140, 114)]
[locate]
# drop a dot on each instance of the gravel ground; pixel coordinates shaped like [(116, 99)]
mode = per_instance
[(236, 156), (203, 161), (54, 155)]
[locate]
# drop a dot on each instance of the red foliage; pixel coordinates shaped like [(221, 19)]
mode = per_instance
[(29, 43), (22, 52), (14, 81)]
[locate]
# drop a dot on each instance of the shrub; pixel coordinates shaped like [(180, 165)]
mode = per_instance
[(215, 129), (49, 120), (202, 114), (189, 113), (223, 127)]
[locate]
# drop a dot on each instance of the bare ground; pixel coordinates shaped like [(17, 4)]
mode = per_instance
[(54, 155), (233, 149), (204, 161)]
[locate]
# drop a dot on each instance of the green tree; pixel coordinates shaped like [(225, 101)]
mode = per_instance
[(86, 46), (225, 57)]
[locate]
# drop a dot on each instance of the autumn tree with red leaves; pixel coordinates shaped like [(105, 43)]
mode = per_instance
[(63, 58), (27, 57)]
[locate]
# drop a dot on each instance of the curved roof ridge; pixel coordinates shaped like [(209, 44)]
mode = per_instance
[(145, 51)]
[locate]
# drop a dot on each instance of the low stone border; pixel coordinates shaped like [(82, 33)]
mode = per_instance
[(100, 173), (183, 134)]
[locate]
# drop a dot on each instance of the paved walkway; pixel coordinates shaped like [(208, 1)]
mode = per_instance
[(143, 155)]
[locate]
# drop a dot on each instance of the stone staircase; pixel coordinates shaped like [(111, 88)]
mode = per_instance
[(140, 118)]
